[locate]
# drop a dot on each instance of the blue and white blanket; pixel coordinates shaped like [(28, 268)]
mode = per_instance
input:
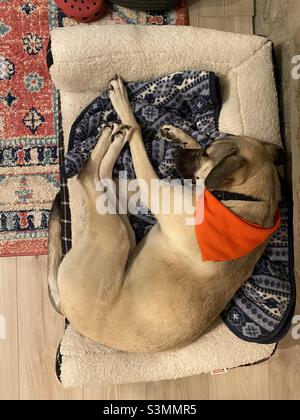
[(262, 309)]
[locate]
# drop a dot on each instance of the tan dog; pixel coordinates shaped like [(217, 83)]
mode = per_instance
[(160, 295)]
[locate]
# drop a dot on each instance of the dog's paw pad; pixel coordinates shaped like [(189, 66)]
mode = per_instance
[(166, 133)]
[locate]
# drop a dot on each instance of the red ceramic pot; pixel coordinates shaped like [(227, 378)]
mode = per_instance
[(83, 10)]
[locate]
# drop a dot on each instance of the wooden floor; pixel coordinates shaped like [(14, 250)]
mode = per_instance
[(33, 329)]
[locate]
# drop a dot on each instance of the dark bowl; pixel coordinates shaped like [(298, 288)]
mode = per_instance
[(150, 5)]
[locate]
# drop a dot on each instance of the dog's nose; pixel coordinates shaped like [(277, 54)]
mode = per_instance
[(188, 161), (197, 154), (191, 154)]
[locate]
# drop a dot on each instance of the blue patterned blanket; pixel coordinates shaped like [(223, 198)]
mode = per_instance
[(262, 309)]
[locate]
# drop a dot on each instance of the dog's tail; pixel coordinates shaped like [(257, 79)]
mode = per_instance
[(54, 253)]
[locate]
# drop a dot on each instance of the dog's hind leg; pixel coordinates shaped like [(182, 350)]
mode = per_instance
[(92, 274), (120, 138), (89, 176), (54, 252)]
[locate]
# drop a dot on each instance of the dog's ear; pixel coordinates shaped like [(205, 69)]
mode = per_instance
[(223, 170), (223, 150), (276, 152)]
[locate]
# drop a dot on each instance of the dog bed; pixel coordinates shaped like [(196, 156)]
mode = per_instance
[(81, 72)]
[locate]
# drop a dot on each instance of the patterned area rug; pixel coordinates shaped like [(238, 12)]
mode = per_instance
[(29, 178)]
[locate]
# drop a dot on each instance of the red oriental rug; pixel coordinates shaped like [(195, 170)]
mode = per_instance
[(29, 178)]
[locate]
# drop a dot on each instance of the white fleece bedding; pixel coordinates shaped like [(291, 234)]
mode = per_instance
[(85, 59)]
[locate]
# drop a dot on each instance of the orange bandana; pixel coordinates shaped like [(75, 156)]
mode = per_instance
[(224, 236)]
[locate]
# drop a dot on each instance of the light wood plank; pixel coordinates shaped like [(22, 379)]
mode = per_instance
[(193, 388), (225, 7), (242, 25), (249, 383), (40, 330), (9, 376), (294, 35), (117, 392), (285, 374), (101, 393), (194, 13)]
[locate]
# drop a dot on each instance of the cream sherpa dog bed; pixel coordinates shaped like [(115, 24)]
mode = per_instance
[(85, 59)]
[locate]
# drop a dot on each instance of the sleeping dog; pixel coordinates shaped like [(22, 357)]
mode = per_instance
[(163, 293)]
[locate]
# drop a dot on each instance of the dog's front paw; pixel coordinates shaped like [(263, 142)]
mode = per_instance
[(169, 133), (119, 98), (177, 135), (117, 90)]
